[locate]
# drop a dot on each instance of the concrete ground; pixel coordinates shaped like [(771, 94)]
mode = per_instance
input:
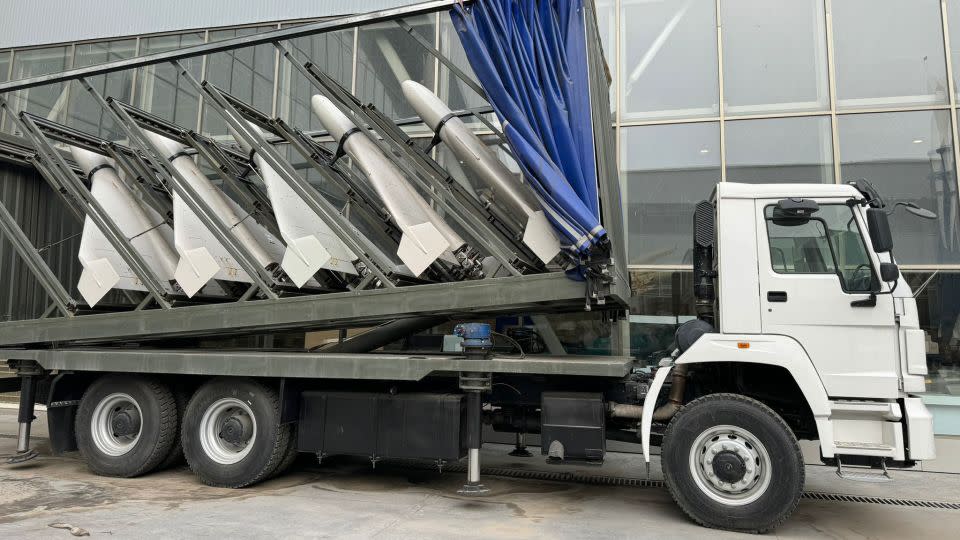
[(344, 498)]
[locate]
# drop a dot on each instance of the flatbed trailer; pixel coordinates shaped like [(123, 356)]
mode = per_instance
[(146, 366)]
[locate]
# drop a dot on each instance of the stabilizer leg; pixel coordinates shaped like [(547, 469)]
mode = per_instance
[(25, 417)]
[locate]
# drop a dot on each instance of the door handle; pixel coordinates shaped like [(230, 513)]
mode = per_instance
[(776, 296)]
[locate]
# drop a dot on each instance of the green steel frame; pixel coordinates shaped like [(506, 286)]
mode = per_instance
[(54, 342)]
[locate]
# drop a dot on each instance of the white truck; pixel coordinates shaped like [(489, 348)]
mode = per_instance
[(804, 329)]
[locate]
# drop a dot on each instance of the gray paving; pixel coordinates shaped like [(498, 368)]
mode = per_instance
[(344, 498)]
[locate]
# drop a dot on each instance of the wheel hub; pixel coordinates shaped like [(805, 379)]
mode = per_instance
[(228, 429), (729, 467), (116, 424), (124, 424), (233, 430)]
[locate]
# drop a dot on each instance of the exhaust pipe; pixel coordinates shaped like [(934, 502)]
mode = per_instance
[(663, 413)]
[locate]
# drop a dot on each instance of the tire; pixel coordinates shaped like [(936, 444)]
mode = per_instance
[(109, 436), (175, 458), (721, 438), (232, 435), (289, 456)]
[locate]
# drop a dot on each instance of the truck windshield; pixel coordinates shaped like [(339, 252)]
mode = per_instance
[(828, 243)]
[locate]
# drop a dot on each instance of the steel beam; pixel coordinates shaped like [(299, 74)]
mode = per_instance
[(321, 27), (101, 219), (455, 69), (75, 206), (369, 366), (608, 178), (535, 293), (48, 280), (139, 180), (259, 208)]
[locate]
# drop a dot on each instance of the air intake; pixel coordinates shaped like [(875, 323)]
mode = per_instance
[(703, 225)]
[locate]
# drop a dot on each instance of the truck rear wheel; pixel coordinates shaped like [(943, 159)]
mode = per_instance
[(232, 435), (126, 425), (731, 462), (289, 456), (175, 457)]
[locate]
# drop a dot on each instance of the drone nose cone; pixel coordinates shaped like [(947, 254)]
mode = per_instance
[(332, 119), (428, 106)]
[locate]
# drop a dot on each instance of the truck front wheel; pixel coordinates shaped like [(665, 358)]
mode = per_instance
[(731, 462), (232, 435)]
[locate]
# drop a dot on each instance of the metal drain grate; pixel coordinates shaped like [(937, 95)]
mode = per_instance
[(819, 496), (601, 480)]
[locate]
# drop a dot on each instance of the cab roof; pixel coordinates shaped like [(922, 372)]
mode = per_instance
[(735, 190)]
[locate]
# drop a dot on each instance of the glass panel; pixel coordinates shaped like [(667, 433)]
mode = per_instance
[(607, 25), (387, 57), (245, 73), (85, 114), (660, 301), (774, 56), (4, 65), (160, 89), (953, 22), (799, 246), (49, 101), (908, 156), (938, 305), (829, 240), (666, 170), (333, 54), (669, 59), (780, 150), (889, 53), (454, 92), (579, 333)]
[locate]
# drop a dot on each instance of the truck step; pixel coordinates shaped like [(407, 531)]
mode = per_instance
[(849, 445), (864, 475)]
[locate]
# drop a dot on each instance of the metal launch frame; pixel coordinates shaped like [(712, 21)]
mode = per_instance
[(70, 336)]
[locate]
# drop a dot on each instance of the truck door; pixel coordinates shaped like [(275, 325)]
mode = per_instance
[(816, 275)]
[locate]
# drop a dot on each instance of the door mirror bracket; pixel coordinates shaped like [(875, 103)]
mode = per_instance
[(888, 272)]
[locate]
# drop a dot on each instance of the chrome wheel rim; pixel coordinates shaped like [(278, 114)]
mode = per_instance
[(227, 430), (730, 465), (116, 424)]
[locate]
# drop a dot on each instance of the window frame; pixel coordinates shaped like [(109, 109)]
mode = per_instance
[(838, 272)]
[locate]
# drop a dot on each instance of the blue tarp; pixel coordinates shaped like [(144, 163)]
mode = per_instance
[(530, 57)]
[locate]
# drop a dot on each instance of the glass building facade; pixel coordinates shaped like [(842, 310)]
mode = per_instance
[(787, 91), (704, 91)]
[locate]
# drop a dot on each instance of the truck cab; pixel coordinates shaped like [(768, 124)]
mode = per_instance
[(812, 265), (797, 282)]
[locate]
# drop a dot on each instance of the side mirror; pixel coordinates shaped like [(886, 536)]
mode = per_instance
[(879, 227), (920, 212), (889, 271)]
